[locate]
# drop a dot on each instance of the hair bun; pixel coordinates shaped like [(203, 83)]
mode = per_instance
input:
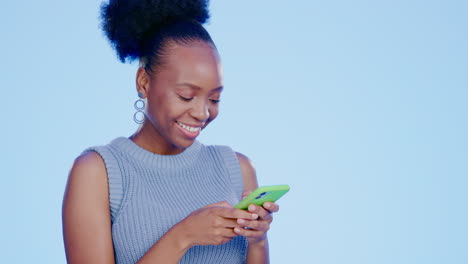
[(129, 23)]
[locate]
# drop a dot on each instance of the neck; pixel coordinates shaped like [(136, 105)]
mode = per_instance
[(151, 140)]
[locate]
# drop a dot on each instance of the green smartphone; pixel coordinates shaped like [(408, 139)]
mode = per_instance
[(263, 194)]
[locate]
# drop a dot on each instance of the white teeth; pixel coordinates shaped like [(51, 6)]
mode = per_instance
[(189, 128)]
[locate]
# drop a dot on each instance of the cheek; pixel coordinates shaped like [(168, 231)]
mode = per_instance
[(214, 109), (158, 113), (162, 107)]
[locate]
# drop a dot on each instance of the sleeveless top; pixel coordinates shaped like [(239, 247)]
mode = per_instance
[(150, 193)]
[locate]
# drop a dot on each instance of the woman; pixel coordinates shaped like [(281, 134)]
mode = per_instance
[(160, 196)]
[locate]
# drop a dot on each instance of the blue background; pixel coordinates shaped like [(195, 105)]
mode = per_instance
[(361, 106)]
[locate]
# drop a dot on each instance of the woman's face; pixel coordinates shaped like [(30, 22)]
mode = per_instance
[(183, 95)]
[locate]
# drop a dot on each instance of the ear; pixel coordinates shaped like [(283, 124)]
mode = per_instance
[(142, 82)]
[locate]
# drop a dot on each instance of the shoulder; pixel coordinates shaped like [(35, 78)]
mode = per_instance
[(245, 163), (248, 172), (88, 165), (90, 160), (87, 181), (87, 177), (85, 212), (235, 159)]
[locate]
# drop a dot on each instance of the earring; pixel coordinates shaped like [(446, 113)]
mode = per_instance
[(139, 116)]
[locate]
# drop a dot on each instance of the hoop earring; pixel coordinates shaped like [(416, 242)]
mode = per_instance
[(139, 116)]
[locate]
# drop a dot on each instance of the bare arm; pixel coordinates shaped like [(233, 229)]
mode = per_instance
[(258, 248), (87, 224), (169, 249), (86, 219), (85, 213)]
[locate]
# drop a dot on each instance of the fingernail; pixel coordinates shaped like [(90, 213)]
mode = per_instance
[(254, 216), (252, 208), (237, 230), (267, 205), (241, 221)]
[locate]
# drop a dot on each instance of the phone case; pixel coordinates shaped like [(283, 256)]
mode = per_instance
[(263, 194)]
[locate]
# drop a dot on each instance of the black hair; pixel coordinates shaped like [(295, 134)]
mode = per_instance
[(141, 28)]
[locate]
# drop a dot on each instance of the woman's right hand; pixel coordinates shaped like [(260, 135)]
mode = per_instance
[(213, 224)]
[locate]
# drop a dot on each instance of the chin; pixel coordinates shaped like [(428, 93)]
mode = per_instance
[(184, 143)]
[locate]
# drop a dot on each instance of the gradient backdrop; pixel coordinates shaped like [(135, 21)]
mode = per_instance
[(361, 106)]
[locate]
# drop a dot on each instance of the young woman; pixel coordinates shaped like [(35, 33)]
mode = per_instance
[(161, 196)]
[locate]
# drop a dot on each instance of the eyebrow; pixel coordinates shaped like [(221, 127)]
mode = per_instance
[(196, 87)]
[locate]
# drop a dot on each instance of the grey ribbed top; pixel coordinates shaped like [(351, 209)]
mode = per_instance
[(150, 193)]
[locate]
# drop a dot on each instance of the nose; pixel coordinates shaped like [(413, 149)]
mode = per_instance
[(200, 111)]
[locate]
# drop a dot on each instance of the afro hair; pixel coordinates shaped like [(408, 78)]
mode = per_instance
[(129, 24)]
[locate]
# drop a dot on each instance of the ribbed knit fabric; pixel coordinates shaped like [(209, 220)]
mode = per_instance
[(150, 193)]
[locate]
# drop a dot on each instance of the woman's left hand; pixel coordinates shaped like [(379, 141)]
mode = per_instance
[(257, 229)]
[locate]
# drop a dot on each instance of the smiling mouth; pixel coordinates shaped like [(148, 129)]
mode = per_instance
[(189, 128)]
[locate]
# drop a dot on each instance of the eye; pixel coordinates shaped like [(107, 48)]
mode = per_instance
[(185, 99), (215, 101)]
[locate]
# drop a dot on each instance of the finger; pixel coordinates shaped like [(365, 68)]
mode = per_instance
[(226, 222), (229, 232), (222, 237), (254, 224), (262, 212), (249, 233), (219, 204), (236, 213), (272, 207)]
